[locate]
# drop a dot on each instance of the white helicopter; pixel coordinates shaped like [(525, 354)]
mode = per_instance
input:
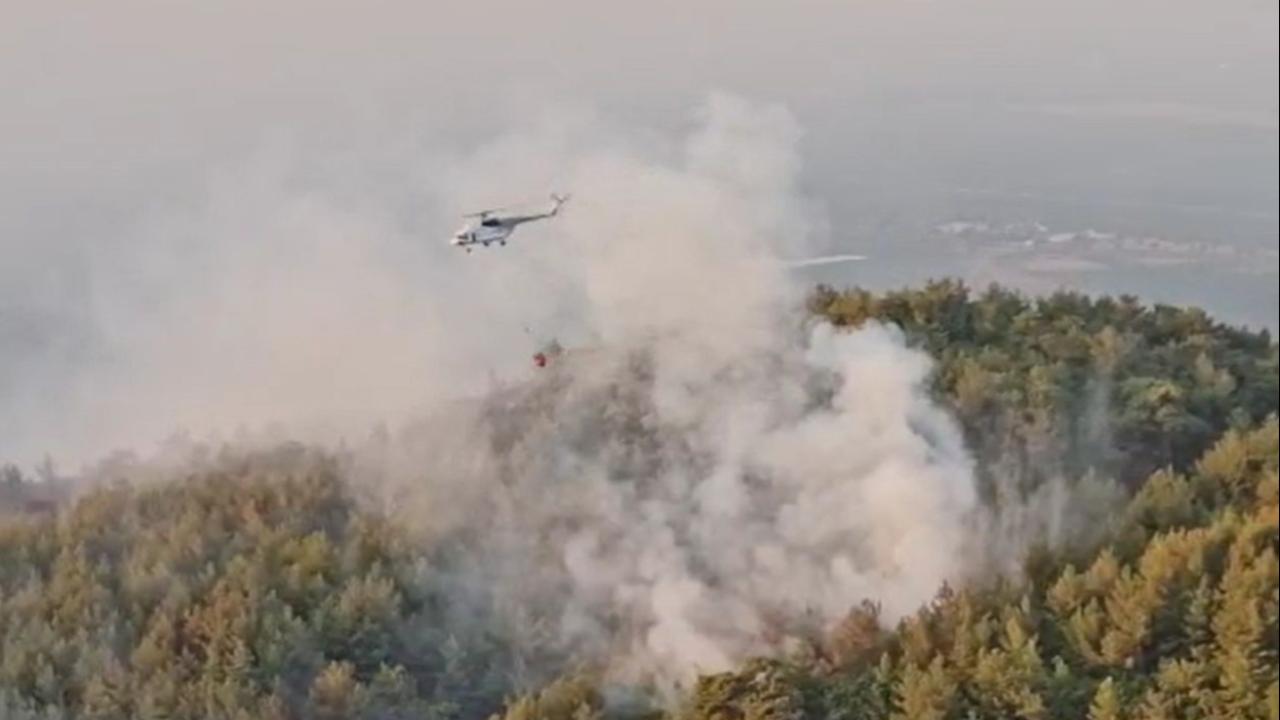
[(494, 226)]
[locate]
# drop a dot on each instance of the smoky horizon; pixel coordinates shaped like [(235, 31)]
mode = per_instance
[(157, 158)]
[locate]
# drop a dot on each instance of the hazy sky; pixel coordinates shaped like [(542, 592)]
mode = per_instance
[(1144, 119), (108, 108)]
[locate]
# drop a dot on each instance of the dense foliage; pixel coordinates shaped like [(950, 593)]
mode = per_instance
[(1176, 619), (1069, 383), (257, 587)]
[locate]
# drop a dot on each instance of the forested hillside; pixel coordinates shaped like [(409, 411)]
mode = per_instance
[(1177, 618), (1066, 383), (258, 585)]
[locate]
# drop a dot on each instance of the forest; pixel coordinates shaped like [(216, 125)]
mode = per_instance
[(258, 584)]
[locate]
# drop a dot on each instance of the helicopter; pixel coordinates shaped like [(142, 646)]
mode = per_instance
[(488, 227)]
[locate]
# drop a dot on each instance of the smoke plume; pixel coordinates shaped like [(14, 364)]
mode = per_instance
[(702, 474), (671, 511), (704, 477)]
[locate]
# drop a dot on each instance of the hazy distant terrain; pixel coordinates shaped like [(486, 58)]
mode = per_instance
[(1188, 201)]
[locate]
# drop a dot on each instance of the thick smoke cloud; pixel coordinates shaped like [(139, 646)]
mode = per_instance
[(325, 306), (700, 478), (704, 479), (668, 519)]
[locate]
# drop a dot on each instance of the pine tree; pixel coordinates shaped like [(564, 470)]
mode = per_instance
[(1106, 704), (576, 698), (334, 693), (925, 693), (1240, 631)]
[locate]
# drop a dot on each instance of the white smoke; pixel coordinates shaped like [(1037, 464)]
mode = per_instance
[(697, 475), (671, 520), (704, 477)]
